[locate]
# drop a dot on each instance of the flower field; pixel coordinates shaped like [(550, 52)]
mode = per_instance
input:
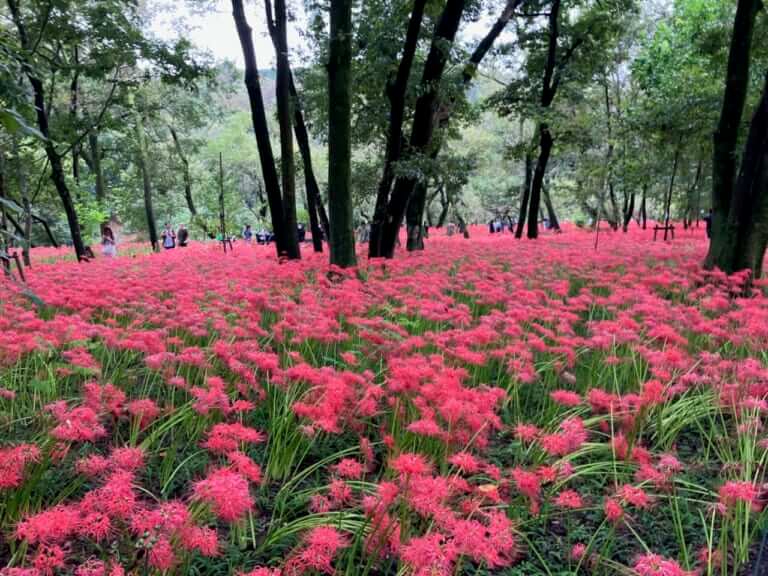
[(488, 406)]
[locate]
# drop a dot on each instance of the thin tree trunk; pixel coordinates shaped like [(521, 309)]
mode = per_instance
[(95, 146), (318, 221), (553, 221), (545, 150), (643, 207), (3, 216), (342, 240), (727, 133), (261, 130), (445, 201), (428, 210), (57, 168), (693, 205), (668, 203), (614, 218), (396, 90), (222, 214), (423, 122), (548, 90), (279, 31), (630, 209), (74, 93), (21, 180), (196, 219), (525, 195), (142, 160), (47, 228)]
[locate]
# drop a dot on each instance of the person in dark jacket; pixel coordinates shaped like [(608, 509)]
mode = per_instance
[(182, 236)]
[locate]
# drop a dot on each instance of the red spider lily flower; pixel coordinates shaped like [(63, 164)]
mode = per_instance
[(565, 398), (144, 409), (655, 565), (226, 492), (739, 491), (430, 555), (410, 465), (466, 462), (577, 551), (613, 510), (349, 468), (223, 438), (48, 559), (263, 572), (244, 466), (317, 551), (527, 432), (569, 499), (13, 461), (79, 424)]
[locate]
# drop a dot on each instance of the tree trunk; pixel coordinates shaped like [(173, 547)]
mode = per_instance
[(57, 168), (445, 202), (748, 222), (417, 204), (396, 89), (279, 31), (414, 217), (342, 239), (553, 221), (47, 228), (21, 180), (630, 209), (613, 219), (545, 150), (222, 213), (3, 216), (693, 205), (487, 42), (428, 209), (95, 146), (525, 195), (423, 121), (74, 93), (196, 219), (318, 220), (548, 91), (668, 202), (142, 160), (727, 132), (261, 130), (643, 208)]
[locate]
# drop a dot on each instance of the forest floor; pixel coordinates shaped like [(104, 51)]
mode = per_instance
[(487, 406)]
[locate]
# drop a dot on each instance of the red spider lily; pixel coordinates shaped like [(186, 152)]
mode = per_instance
[(226, 492)]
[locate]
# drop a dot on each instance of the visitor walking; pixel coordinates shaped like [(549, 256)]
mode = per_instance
[(169, 237), (183, 236), (247, 234), (108, 245)]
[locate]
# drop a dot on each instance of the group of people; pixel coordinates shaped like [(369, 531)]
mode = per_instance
[(265, 237), (171, 238), (500, 224)]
